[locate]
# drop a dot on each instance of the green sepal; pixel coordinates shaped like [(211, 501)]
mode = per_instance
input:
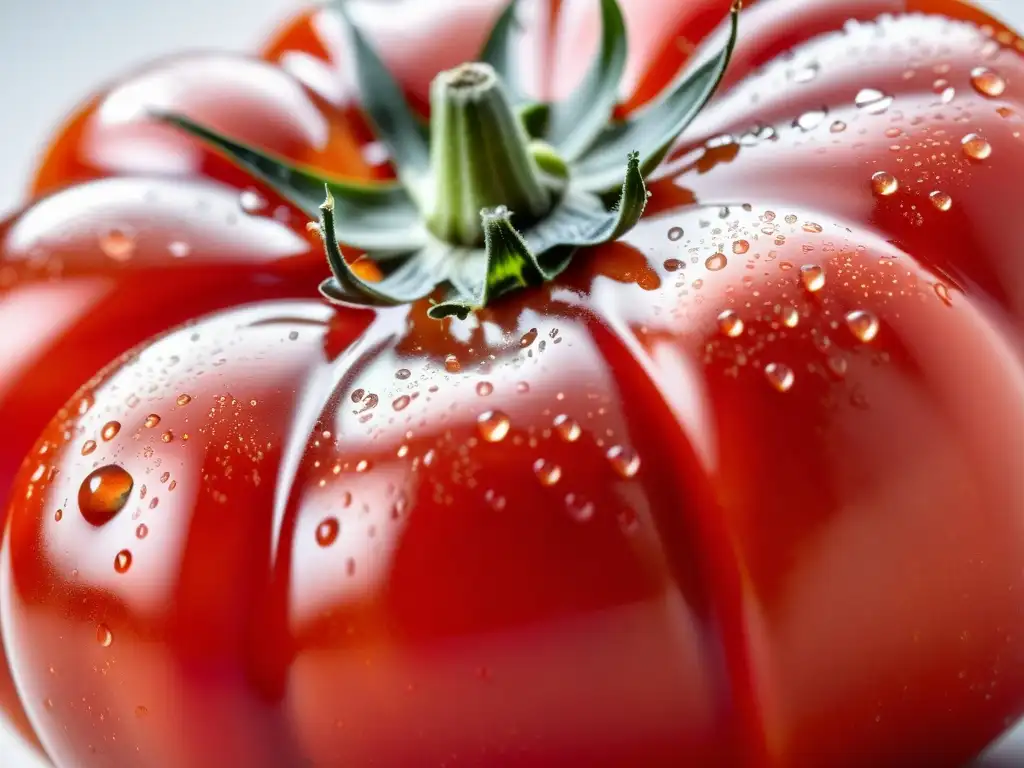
[(378, 216), (512, 260), (574, 124), (414, 275), (394, 122), (499, 52), (655, 128)]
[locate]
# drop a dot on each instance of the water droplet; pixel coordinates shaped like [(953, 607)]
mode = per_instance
[(624, 460), (179, 249), (493, 426), (813, 277), (579, 508), (812, 227), (837, 127), (675, 234), (568, 428), (184, 399), (103, 493), (118, 245), (810, 120), (987, 82), (88, 447), (884, 183), (862, 324), (251, 201), (740, 247), (142, 531), (110, 430), (672, 265), (838, 366), (547, 472), (872, 101), (522, 387), (484, 388), (941, 200), (123, 561), (363, 465), (730, 323), (403, 374), (401, 403), (104, 636), (790, 317), (942, 291), (167, 436), (976, 147), (327, 532), (779, 376), (528, 338), (58, 515), (807, 73), (452, 364), (151, 421), (716, 262)]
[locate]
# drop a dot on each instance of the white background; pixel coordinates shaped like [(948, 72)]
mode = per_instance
[(54, 52)]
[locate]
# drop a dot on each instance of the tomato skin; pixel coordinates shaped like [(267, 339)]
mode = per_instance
[(112, 133), (824, 575), (75, 308), (772, 527)]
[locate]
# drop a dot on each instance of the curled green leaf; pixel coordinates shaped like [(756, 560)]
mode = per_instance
[(575, 123), (655, 128), (377, 216)]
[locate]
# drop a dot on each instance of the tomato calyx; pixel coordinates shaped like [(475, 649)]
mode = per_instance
[(445, 229)]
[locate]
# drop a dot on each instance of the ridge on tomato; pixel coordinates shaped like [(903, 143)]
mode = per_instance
[(745, 495)]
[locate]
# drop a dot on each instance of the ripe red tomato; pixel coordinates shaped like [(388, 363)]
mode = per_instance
[(740, 489)]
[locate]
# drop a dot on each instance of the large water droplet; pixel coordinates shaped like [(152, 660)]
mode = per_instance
[(484, 388), (716, 262), (624, 460), (730, 323), (976, 147), (568, 428), (89, 446), (103, 493), (401, 402), (779, 376), (110, 430), (862, 324), (813, 277), (941, 200), (493, 426), (184, 399), (123, 561), (739, 247), (151, 421), (547, 472), (987, 82), (884, 183), (452, 364), (790, 317), (327, 531), (675, 234)]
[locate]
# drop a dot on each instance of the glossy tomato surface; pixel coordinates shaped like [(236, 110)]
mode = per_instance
[(739, 490)]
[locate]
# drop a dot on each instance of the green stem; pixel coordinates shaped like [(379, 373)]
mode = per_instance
[(481, 156)]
